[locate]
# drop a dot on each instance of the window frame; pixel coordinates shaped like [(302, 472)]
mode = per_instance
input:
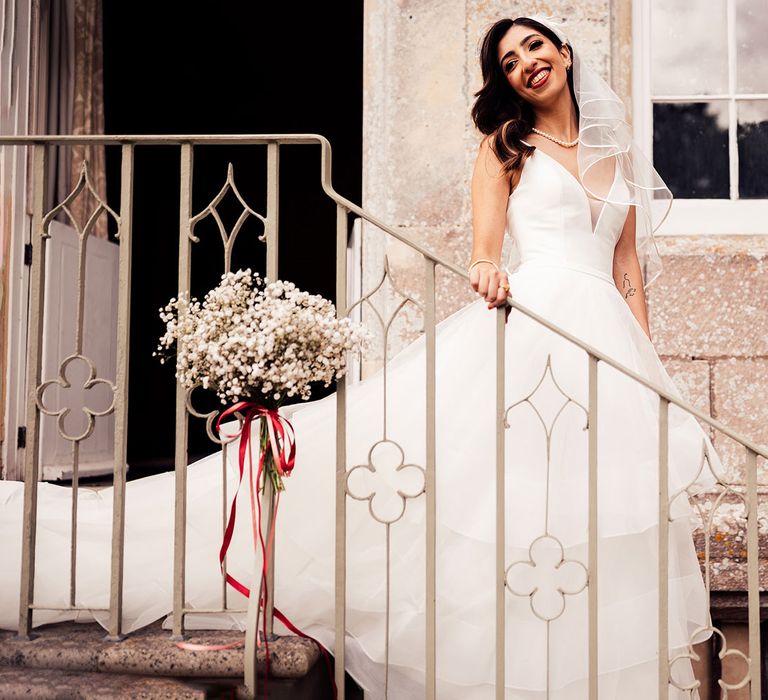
[(694, 216)]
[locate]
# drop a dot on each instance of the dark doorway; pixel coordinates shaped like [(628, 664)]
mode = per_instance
[(220, 69)]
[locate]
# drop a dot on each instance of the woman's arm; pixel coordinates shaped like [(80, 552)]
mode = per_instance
[(490, 191), (627, 274)]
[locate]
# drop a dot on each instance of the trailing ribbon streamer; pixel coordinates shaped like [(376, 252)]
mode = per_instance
[(281, 444), (283, 464)]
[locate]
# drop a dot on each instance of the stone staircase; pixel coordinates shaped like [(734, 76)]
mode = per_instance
[(73, 660)]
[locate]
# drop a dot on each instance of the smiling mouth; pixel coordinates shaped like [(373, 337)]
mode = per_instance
[(537, 77)]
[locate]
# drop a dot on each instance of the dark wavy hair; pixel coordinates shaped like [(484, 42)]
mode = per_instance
[(498, 110)]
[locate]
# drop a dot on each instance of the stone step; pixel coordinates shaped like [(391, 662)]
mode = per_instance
[(149, 651), (58, 684), (73, 660), (46, 684)]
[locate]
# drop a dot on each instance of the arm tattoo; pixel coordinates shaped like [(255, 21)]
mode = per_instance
[(626, 284)]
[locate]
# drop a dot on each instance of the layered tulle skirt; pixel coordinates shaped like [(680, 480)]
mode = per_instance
[(546, 514)]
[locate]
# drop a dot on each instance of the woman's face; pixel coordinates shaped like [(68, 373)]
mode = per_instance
[(532, 64)]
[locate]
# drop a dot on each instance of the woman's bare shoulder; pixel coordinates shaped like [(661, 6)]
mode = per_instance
[(487, 150), (489, 165)]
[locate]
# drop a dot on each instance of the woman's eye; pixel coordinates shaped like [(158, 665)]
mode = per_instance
[(510, 66), (535, 44)]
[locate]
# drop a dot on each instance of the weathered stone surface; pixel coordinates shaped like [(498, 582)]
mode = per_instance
[(711, 303), (622, 53), (722, 517), (414, 105), (692, 378), (149, 651), (55, 684), (728, 559), (740, 390), (711, 299)]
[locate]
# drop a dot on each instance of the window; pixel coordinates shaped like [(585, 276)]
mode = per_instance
[(701, 109)]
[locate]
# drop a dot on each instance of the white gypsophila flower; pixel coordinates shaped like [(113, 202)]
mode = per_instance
[(249, 338)]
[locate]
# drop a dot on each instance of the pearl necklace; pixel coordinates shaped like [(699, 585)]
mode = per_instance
[(566, 144)]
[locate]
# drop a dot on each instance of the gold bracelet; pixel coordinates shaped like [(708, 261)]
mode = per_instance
[(469, 269)]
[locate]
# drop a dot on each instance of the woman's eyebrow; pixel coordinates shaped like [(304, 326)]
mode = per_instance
[(511, 52)]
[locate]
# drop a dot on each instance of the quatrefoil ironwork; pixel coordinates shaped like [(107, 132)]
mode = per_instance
[(386, 482), (62, 381), (724, 651), (546, 577)]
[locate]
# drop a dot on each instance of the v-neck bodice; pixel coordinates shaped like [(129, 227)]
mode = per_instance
[(550, 218)]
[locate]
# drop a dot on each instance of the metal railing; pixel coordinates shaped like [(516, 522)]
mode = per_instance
[(37, 384)]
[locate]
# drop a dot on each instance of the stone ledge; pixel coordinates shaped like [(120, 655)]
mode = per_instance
[(57, 684), (728, 561), (149, 651), (732, 607)]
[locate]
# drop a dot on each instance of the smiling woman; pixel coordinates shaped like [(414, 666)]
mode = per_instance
[(531, 59)]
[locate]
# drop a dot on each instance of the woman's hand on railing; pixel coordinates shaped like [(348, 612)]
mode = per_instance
[(490, 283)]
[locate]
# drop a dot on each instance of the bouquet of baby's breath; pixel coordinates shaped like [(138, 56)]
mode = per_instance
[(255, 344), (249, 340)]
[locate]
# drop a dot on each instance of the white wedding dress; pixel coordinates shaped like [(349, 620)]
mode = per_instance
[(565, 242)]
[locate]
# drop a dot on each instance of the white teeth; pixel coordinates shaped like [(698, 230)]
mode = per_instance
[(540, 76)]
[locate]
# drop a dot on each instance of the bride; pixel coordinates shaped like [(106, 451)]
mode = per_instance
[(558, 174)]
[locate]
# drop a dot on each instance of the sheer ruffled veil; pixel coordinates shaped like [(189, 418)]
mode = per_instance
[(605, 142)]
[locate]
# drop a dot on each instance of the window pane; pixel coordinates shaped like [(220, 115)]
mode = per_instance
[(690, 148), (753, 148), (689, 47), (751, 49)]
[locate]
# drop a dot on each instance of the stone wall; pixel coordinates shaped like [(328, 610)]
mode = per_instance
[(709, 323)]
